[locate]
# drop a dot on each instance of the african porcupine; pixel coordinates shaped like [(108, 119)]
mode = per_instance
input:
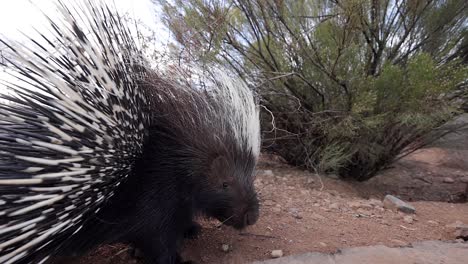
[(95, 147)]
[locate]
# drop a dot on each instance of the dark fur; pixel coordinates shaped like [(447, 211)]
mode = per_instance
[(191, 166)]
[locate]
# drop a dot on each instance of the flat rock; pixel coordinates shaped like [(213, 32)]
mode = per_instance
[(418, 252), (393, 203)]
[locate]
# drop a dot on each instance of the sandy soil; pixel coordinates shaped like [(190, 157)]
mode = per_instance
[(301, 212)]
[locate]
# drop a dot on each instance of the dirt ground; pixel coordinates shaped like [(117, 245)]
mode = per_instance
[(301, 212)]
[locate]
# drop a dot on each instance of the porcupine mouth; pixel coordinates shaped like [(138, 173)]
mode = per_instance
[(249, 218)]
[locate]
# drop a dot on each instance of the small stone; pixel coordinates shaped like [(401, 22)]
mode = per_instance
[(364, 212), (268, 173), (384, 222), (462, 233), (225, 247), (433, 223), (397, 216), (398, 242), (358, 204), (448, 180), (408, 219), (317, 217), (354, 204), (391, 202), (278, 253), (456, 224), (334, 206), (295, 213), (323, 244), (378, 208), (375, 203), (310, 180)]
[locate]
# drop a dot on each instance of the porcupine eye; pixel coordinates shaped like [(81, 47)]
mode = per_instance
[(225, 185)]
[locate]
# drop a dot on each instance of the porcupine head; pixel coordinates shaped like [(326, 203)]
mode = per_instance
[(214, 143)]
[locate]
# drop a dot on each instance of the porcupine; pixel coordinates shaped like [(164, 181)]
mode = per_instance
[(95, 147)]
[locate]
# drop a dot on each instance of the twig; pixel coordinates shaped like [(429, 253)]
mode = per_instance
[(257, 235)]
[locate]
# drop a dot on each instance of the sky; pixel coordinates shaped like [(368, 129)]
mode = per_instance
[(21, 14), (21, 17)]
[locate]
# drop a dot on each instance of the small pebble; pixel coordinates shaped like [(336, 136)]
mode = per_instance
[(225, 247), (408, 219), (277, 253), (448, 180)]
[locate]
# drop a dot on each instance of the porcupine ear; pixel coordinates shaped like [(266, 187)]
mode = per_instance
[(217, 168)]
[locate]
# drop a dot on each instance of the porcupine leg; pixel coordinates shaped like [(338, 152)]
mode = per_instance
[(159, 239), (159, 249), (193, 231)]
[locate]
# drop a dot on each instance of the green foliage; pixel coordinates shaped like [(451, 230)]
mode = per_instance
[(350, 83)]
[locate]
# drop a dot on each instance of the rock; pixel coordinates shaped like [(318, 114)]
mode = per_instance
[(448, 180), (277, 209), (375, 203), (398, 216), (399, 243), (462, 233), (310, 180), (456, 224), (323, 244), (461, 230), (385, 222), (408, 219), (225, 247), (359, 204), (419, 252), (278, 253), (295, 213), (317, 217), (293, 210), (364, 212), (354, 204), (334, 206), (392, 203)]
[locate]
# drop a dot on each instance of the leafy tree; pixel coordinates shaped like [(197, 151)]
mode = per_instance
[(348, 84)]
